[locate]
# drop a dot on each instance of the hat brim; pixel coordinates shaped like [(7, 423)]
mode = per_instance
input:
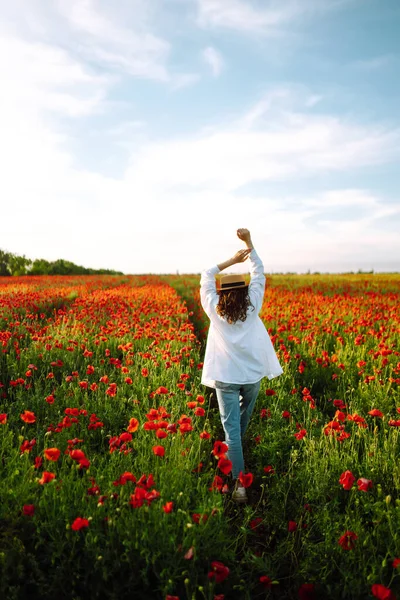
[(233, 286)]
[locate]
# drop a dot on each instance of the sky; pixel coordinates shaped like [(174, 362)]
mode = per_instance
[(139, 135)]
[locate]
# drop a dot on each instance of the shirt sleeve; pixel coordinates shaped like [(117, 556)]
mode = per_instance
[(257, 280), (208, 290)]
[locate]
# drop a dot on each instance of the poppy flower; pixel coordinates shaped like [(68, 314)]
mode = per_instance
[(266, 581), (161, 390), (225, 465), (79, 524), (346, 541), (307, 591), (383, 593), (52, 454), (159, 450), (197, 517), (199, 411), (246, 479), (29, 510), (292, 526), (133, 425), (216, 484), (46, 477), (346, 480), (364, 484), (168, 507), (220, 448), (375, 413), (396, 562), (28, 416), (300, 434), (219, 571), (50, 399), (160, 434), (269, 469), (270, 392), (3, 419), (204, 435)]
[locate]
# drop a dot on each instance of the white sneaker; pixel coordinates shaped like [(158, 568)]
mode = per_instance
[(239, 493)]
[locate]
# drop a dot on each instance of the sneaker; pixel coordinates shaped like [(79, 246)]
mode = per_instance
[(239, 493)]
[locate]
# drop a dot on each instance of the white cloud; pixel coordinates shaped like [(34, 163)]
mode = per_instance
[(214, 59), (265, 16)]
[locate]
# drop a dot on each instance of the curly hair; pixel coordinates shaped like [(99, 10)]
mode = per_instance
[(233, 304)]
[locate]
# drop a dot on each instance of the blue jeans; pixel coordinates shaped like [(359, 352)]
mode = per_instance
[(236, 402)]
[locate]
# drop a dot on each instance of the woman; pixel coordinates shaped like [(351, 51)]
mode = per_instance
[(239, 352)]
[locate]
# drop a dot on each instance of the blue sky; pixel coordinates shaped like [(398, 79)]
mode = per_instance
[(140, 134)]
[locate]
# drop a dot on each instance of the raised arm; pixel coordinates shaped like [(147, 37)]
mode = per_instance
[(257, 277)]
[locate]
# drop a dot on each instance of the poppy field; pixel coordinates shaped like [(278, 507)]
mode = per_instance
[(114, 476)]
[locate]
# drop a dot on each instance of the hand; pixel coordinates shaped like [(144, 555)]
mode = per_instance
[(241, 256), (243, 234)]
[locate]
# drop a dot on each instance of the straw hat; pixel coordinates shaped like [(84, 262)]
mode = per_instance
[(231, 282)]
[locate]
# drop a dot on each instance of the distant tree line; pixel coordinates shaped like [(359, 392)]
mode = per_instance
[(12, 264)]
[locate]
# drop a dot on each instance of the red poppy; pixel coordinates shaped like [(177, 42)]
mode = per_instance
[(364, 484), (216, 484), (3, 419), (37, 463), (52, 454), (46, 477), (346, 541), (29, 510), (383, 593), (266, 581), (161, 390), (254, 523), (219, 571), (168, 507), (50, 399), (28, 416), (269, 469), (204, 435), (79, 523), (199, 411), (133, 425), (300, 434), (270, 392), (159, 450), (307, 591), (286, 414), (145, 373), (246, 479), (346, 480), (225, 465), (396, 562), (197, 517), (292, 526), (375, 413), (200, 399), (160, 434), (219, 449)]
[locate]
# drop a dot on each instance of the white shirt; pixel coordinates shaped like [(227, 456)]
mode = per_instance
[(240, 352)]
